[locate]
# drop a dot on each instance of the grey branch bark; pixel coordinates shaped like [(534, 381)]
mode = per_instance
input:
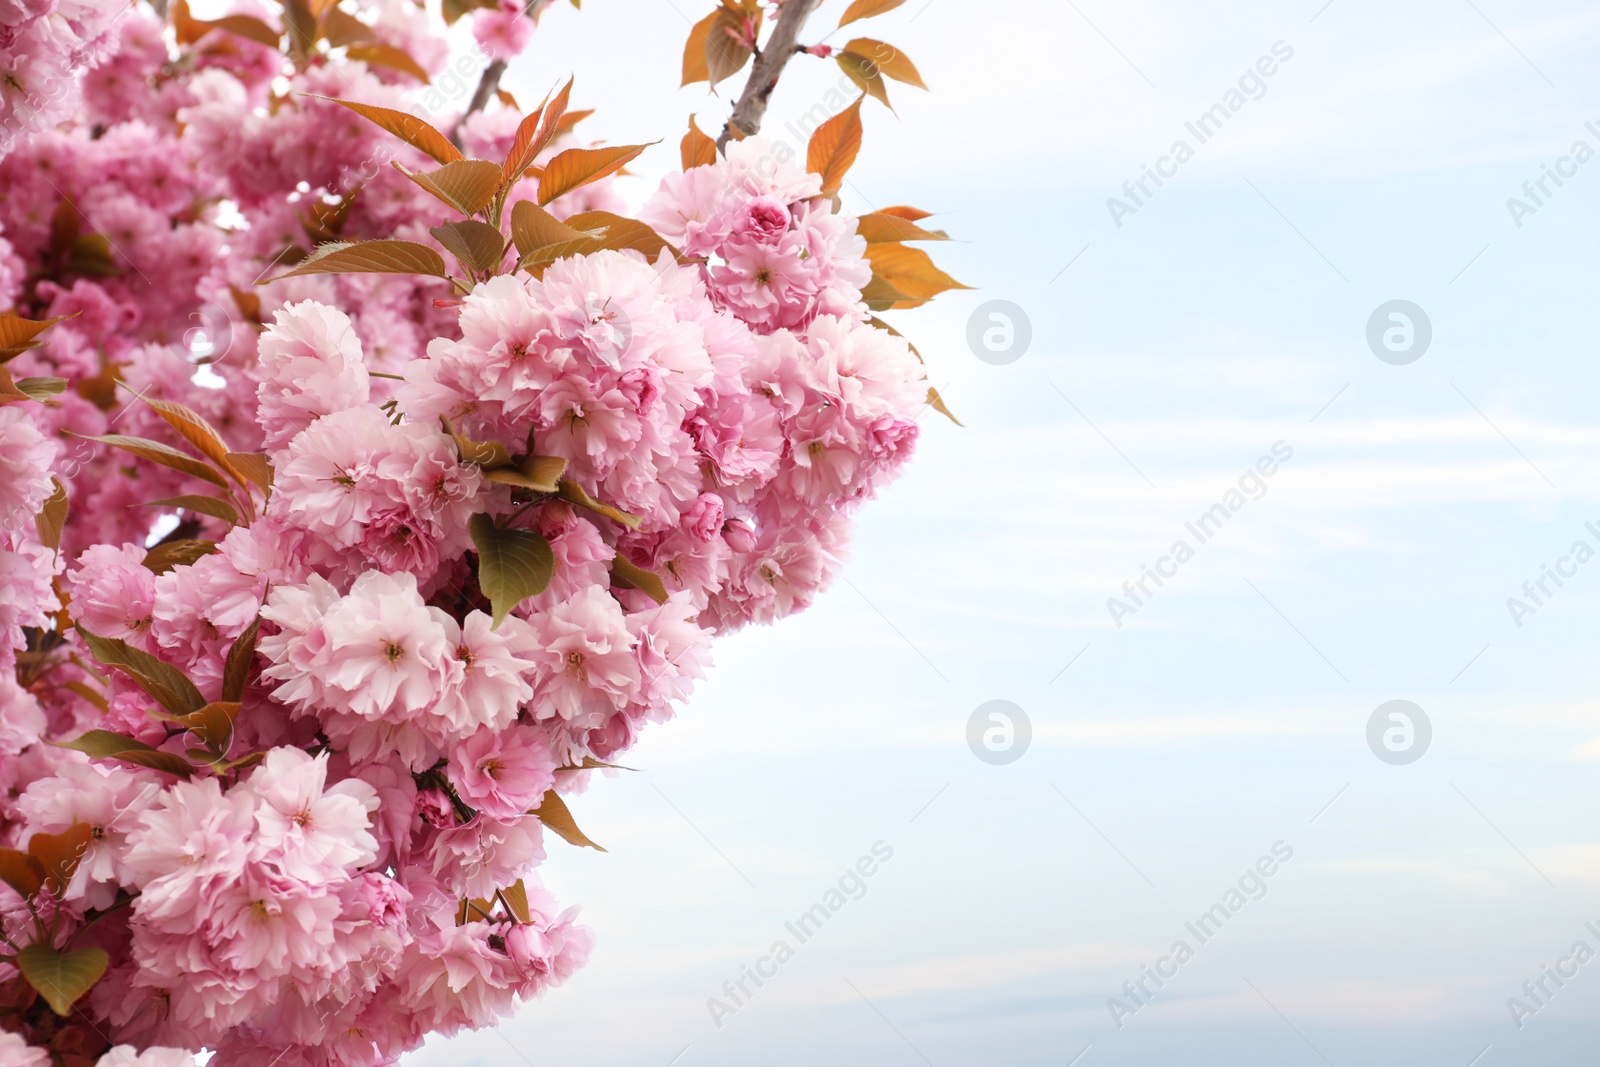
[(752, 104)]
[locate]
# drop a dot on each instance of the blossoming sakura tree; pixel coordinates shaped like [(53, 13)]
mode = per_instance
[(305, 653)]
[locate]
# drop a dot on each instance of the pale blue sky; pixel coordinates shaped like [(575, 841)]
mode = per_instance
[(1229, 712)]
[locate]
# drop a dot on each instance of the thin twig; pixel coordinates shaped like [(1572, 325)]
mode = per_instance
[(769, 63), (487, 84)]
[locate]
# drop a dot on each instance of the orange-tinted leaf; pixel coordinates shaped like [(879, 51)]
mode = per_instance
[(573, 492), (214, 506), (236, 668), (466, 185), (410, 129), (103, 744), (199, 433), (910, 270), (52, 517), (476, 245), (387, 55), (900, 211), (696, 148), (21, 872), (879, 227), (342, 30), (533, 227), (726, 54), (18, 334), (58, 854), (892, 62), (553, 813), (534, 133), (936, 402), (865, 73), (694, 52), (865, 9), (182, 552), (542, 474), (579, 166), (255, 467), (834, 146)]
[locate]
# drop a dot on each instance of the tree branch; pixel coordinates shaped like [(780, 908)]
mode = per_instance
[(752, 104), (487, 84)]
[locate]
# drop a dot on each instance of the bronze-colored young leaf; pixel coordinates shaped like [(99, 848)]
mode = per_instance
[(410, 129), (910, 270), (165, 683), (901, 211), (533, 227), (256, 468), (41, 389), (169, 554), (213, 724), (485, 454), (370, 257), (58, 854), (553, 813), (214, 506), (199, 433), (694, 52), (512, 564), (628, 575), (52, 517), (727, 50), (542, 474), (879, 295), (579, 166), (251, 29), (156, 452), (516, 897), (865, 73), (573, 493), (534, 133), (621, 232), (18, 334), (865, 9), (236, 668), (879, 227), (103, 744), (342, 30), (387, 55), (466, 185), (589, 763), (936, 402), (21, 872), (834, 146), (61, 977), (696, 149), (889, 60), (476, 245)]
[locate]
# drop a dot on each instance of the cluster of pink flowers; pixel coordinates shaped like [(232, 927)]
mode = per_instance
[(266, 685)]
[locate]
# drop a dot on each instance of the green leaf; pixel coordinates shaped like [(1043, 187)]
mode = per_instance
[(169, 554), (476, 245), (370, 257), (573, 493), (578, 167), (103, 744), (542, 474), (512, 564), (466, 185), (553, 813), (214, 506), (630, 576), (164, 682), (61, 977), (156, 452), (865, 9), (52, 517)]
